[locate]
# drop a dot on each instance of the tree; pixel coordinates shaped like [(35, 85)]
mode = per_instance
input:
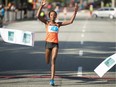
[(50, 1), (107, 1)]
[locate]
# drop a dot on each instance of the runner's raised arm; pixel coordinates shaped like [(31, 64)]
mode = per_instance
[(72, 18), (39, 12)]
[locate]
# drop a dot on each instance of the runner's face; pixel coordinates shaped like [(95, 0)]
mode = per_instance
[(52, 16)]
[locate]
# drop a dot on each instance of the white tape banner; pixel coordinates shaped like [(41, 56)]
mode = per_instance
[(17, 36), (106, 65)]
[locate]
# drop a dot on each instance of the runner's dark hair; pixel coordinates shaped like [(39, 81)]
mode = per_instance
[(52, 11)]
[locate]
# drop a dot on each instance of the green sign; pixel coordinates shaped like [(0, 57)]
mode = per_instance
[(109, 62), (10, 36), (26, 38)]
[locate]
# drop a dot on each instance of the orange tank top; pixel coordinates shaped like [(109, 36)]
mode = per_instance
[(52, 34)]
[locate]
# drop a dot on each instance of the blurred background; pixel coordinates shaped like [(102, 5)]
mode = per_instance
[(26, 9)]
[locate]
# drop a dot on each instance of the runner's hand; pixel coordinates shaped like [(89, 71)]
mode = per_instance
[(43, 2)]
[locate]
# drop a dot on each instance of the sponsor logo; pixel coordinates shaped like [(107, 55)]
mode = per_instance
[(109, 62), (10, 36), (53, 29)]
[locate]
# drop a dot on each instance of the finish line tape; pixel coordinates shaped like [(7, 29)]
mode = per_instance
[(17, 36), (106, 65)]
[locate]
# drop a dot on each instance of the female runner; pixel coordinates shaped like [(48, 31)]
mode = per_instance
[(52, 28)]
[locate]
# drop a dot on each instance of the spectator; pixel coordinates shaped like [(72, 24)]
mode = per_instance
[(91, 9), (12, 8), (9, 6), (57, 10), (65, 12), (49, 6), (2, 13), (25, 9)]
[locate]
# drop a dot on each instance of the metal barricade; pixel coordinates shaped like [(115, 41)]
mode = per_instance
[(18, 15)]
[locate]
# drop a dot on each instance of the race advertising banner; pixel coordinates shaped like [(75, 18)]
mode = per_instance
[(17, 36), (106, 65)]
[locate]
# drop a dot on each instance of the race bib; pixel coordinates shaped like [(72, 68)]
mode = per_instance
[(53, 29)]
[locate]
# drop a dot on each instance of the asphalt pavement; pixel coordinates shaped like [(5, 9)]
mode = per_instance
[(85, 43)]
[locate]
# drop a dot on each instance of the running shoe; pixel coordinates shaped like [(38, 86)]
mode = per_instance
[(52, 82)]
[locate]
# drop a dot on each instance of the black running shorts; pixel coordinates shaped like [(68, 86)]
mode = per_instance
[(51, 45)]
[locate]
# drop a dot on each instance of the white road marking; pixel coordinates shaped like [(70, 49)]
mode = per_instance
[(79, 71), (82, 42), (81, 53), (83, 31)]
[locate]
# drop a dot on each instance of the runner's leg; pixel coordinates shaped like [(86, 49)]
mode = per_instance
[(54, 55), (48, 55)]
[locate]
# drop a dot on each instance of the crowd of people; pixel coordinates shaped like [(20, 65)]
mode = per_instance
[(25, 8)]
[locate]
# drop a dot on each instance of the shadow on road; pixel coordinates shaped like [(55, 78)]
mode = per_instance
[(18, 57)]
